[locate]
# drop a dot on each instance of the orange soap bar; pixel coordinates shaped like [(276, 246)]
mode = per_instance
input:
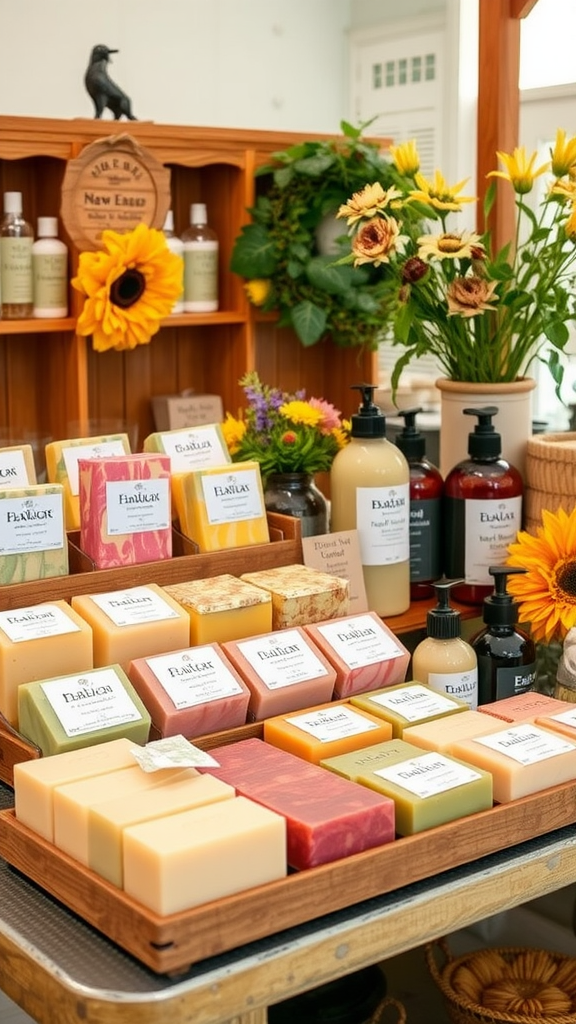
[(442, 733), (523, 707), (326, 731), (563, 722)]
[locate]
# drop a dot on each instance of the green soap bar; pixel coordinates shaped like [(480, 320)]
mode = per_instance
[(82, 709), (408, 704), (357, 763), (33, 543)]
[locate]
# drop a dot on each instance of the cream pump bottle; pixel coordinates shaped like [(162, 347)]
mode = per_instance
[(444, 661), (370, 493)]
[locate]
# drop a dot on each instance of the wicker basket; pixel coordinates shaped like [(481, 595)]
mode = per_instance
[(380, 1016), (467, 980), (550, 476)]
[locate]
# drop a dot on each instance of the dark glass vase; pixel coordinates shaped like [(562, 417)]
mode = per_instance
[(294, 494)]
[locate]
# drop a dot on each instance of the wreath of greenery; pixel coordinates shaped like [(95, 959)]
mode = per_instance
[(278, 252)]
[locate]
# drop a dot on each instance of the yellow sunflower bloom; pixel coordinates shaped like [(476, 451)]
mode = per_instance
[(563, 154), (438, 193), (130, 285), (367, 203), (258, 290), (546, 593), (466, 245), (520, 170), (406, 158), (301, 412), (233, 431)]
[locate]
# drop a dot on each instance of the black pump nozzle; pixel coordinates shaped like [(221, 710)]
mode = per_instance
[(443, 622), (369, 421), (484, 442), (410, 441), (500, 608)]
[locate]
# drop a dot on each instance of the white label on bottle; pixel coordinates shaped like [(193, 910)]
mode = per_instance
[(383, 522), (201, 272), (90, 701), (489, 527), (282, 659), (50, 280), (13, 472), (36, 622), (360, 641), (33, 523), (99, 450), (415, 703), (232, 497), (16, 270), (462, 685), (526, 743), (137, 506), (328, 724), (134, 606), (194, 449), (193, 677), (428, 775)]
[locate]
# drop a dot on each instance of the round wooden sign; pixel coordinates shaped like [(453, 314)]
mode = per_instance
[(116, 184)]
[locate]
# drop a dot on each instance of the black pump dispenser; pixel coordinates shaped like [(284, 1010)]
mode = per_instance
[(443, 622), (500, 608), (410, 440), (506, 655), (369, 421), (484, 442)]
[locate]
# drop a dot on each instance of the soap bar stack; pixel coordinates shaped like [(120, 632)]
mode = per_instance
[(62, 465)]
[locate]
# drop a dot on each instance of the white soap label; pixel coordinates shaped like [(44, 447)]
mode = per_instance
[(234, 496), (526, 744), (383, 524), (90, 701), (133, 607), (172, 752), (566, 717), (414, 703), (428, 775), (360, 641), (13, 472), (194, 677), (36, 622), (282, 659), (489, 527), (462, 685), (98, 450), (137, 506), (34, 523), (335, 723), (195, 449)]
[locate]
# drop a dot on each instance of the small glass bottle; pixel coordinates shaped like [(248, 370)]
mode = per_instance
[(176, 245), (200, 263), (50, 271), (444, 661), (16, 238), (426, 489)]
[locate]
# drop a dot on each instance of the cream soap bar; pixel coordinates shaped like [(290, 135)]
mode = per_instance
[(523, 758), (325, 731), (203, 854), (363, 650), (133, 623), (442, 733), (125, 509), (191, 692), (222, 506), (222, 608), (190, 448), (563, 722), (35, 781), (408, 704), (33, 543), (523, 707), (302, 595), (17, 468), (327, 817), (37, 642), (283, 670), (62, 465), (108, 819), (81, 709)]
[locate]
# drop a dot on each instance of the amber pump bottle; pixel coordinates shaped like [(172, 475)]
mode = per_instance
[(482, 510), (426, 490), (506, 655), (444, 661)]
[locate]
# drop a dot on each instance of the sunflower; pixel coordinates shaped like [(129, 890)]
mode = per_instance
[(130, 285), (546, 593)]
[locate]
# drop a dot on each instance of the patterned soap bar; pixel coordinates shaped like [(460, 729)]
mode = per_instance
[(221, 506), (222, 608), (33, 543), (125, 514), (62, 465), (301, 595)]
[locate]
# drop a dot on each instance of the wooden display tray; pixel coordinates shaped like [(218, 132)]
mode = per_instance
[(172, 944)]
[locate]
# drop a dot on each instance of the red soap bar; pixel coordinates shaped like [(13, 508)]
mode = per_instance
[(327, 816)]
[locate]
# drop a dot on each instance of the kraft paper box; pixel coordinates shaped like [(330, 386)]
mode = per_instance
[(174, 411)]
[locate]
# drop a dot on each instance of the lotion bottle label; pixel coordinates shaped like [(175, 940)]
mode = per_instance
[(382, 515)]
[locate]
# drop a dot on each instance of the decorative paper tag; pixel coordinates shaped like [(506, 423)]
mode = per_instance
[(134, 606), (194, 677), (232, 496), (428, 775), (40, 620), (32, 523), (282, 659), (137, 506), (339, 555), (335, 723), (172, 752)]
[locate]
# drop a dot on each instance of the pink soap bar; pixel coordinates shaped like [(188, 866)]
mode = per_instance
[(363, 650), (125, 513), (524, 707), (327, 817), (191, 692), (284, 671)]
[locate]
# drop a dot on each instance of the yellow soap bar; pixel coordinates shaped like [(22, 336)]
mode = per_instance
[(133, 623), (324, 731), (62, 465), (33, 542), (442, 733), (301, 594), (408, 704), (221, 506), (17, 467), (222, 608)]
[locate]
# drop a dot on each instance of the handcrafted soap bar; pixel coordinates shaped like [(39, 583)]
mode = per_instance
[(17, 468), (33, 544), (222, 506), (108, 819), (301, 595), (222, 608), (133, 623), (327, 817), (190, 448), (36, 642), (204, 854), (82, 709), (563, 722), (35, 781), (358, 763), (62, 465), (408, 704), (283, 670), (523, 707), (125, 509), (325, 731), (191, 692), (523, 759), (442, 733), (363, 650)]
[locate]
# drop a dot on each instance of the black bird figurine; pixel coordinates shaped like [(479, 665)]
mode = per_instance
[(103, 91)]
